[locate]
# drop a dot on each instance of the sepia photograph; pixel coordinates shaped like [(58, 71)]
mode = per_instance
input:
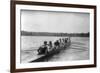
[(52, 36)]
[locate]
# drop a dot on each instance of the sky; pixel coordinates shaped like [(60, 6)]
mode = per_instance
[(59, 22)]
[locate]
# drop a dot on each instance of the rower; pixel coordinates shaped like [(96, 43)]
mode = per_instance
[(69, 40), (56, 44), (43, 49), (50, 46), (60, 42), (66, 40), (63, 42)]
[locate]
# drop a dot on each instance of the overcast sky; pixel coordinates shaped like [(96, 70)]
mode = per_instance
[(46, 21)]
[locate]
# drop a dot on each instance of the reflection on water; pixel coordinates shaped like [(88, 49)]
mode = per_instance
[(78, 50)]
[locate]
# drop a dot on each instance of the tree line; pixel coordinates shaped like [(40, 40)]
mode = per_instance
[(26, 33)]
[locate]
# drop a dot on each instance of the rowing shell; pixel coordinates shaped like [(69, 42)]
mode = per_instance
[(51, 53)]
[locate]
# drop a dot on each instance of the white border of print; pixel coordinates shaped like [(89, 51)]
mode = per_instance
[(53, 64)]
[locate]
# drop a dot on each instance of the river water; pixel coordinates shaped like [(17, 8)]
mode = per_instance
[(78, 50)]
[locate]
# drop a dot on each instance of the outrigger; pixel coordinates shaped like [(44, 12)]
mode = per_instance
[(55, 50)]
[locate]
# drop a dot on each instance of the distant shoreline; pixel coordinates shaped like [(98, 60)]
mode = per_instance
[(25, 33)]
